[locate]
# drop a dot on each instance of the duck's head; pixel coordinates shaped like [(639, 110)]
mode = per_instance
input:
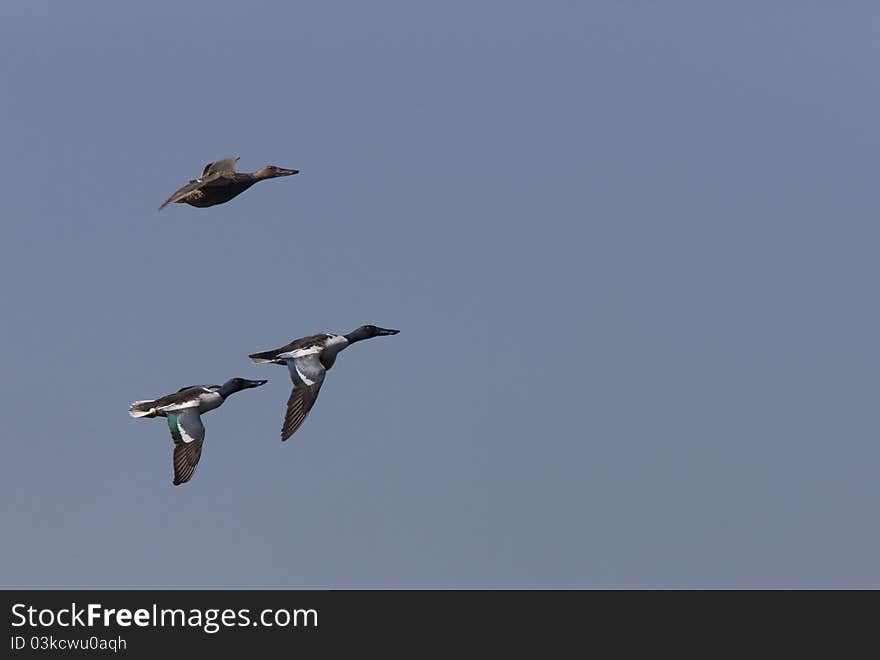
[(368, 332), (237, 384), (271, 171)]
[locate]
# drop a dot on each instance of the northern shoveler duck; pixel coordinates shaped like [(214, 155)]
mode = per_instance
[(183, 410), (307, 359), (220, 182)]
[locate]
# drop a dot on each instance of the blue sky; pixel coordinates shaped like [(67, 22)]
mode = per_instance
[(631, 249)]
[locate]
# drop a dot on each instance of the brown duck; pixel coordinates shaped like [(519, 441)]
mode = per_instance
[(220, 182)]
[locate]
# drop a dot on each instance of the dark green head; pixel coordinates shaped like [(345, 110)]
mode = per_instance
[(234, 385), (368, 332)]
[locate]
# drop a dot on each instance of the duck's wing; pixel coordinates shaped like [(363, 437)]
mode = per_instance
[(307, 374), (185, 397), (180, 193), (188, 434), (274, 356), (219, 173), (227, 166), (201, 388), (181, 400)]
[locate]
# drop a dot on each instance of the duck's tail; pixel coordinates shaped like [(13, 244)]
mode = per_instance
[(142, 408)]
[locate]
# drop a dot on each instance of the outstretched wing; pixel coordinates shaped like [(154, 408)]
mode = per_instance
[(188, 434), (179, 401), (274, 356), (227, 166), (201, 388), (298, 406), (181, 193), (218, 173), (307, 374)]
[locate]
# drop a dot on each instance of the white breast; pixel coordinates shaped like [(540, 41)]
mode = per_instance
[(332, 346), (209, 400)]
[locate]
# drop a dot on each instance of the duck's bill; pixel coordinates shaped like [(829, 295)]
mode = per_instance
[(283, 171), (256, 383), (385, 331)]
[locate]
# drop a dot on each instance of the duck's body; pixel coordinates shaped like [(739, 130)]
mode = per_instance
[(220, 182), (307, 359), (183, 409)]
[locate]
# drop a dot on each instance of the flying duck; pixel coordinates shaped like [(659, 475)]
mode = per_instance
[(220, 182), (183, 410), (307, 359)]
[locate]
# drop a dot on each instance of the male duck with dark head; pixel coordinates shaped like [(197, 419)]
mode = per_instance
[(183, 410), (220, 182), (307, 359)]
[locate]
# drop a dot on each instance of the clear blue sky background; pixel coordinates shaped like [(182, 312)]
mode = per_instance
[(632, 249)]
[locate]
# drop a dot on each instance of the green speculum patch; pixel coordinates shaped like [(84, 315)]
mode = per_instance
[(172, 424)]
